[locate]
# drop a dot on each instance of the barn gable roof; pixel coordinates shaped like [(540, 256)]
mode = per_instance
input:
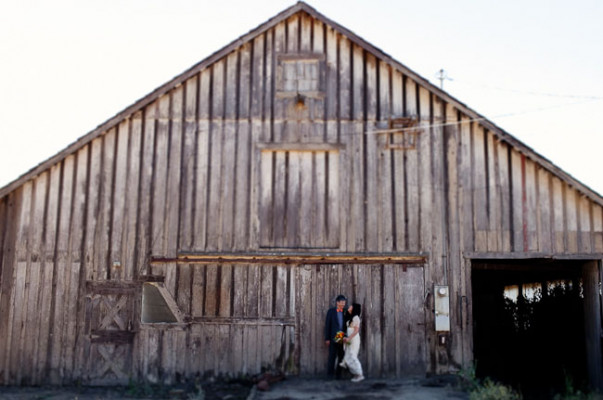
[(500, 133)]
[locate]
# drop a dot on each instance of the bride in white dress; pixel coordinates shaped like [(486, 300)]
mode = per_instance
[(352, 343)]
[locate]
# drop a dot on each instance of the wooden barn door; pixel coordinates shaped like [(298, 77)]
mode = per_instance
[(393, 322), (110, 323)]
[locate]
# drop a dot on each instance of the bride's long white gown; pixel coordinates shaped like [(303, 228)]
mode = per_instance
[(350, 358)]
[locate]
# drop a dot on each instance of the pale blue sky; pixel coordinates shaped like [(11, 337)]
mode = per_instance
[(535, 68)]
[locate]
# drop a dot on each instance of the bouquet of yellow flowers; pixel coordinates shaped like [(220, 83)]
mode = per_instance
[(339, 337)]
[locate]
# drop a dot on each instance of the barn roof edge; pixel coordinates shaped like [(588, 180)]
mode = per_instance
[(270, 23)]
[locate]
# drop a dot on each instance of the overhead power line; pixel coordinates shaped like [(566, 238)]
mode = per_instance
[(533, 93), (506, 115)]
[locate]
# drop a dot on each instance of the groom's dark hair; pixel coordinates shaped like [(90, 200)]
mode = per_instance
[(340, 298)]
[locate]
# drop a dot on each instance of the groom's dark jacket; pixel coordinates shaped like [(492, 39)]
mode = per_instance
[(332, 324)]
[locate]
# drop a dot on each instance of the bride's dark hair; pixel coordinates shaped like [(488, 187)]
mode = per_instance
[(356, 310)]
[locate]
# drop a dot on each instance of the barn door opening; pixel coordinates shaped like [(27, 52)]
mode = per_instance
[(531, 323)]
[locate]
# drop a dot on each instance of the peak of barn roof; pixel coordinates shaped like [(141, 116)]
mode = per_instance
[(300, 7)]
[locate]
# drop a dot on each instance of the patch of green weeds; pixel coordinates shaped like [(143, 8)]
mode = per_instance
[(486, 389), (573, 393), (490, 390), (467, 379), (144, 390)]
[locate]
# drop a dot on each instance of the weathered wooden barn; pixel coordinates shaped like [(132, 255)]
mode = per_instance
[(206, 229)]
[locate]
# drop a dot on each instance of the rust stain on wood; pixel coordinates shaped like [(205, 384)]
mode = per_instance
[(290, 259)]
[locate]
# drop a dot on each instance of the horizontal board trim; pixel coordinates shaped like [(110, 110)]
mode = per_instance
[(532, 255), (181, 326), (112, 287), (151, 278), (292, 258), (295, 94), (112, 336), (221, 321), (301, 56), (244, 321), (300, 146)]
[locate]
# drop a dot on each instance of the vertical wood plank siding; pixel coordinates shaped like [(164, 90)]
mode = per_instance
[(278, 324), (224, 162)]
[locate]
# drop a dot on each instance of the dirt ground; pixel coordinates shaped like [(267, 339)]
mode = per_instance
[(369, 389), (287, 389)]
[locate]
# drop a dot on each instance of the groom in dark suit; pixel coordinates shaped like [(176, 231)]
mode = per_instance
[(334, 324)]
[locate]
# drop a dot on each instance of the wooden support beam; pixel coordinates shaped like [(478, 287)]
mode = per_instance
[(531, 255), (244, 321), (592, 323), (291, 258), (113, 337), (112, 287)]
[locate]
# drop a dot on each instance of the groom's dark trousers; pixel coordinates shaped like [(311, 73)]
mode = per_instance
[(334, 324)]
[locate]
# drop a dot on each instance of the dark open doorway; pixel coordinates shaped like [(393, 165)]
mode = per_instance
[(529, 327)]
